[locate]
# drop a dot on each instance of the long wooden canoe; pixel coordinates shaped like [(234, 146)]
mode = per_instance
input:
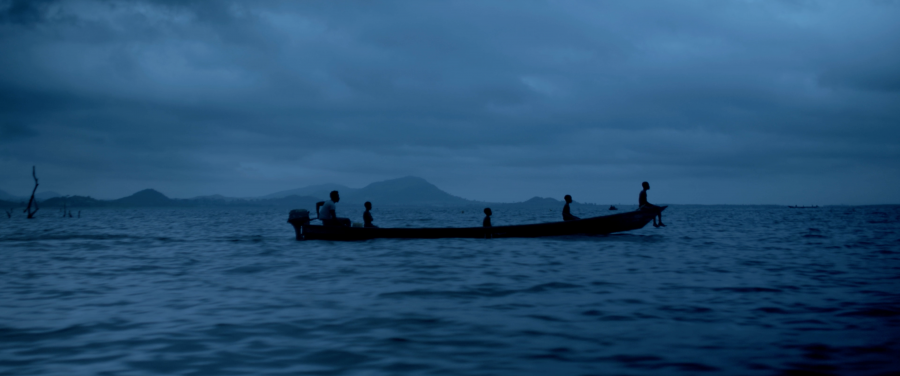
[(588, 226)]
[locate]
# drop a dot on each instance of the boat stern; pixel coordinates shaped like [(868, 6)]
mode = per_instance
[(299, 218)]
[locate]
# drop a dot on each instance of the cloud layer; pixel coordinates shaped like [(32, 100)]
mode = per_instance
[(712, 101)]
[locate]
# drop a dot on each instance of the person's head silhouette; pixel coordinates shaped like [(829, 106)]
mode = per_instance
[(646, 185), (568, 199), (368, 205), (335, 196), (487, 211)]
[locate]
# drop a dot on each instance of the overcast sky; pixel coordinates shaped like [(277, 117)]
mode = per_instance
[(712, 101)]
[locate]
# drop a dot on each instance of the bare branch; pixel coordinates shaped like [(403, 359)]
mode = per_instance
[(32, 200)]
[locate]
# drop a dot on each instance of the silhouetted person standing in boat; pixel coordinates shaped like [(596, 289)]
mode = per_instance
[(487, 218), (328, 212), (567, 213), (644, 205), (367, 216)]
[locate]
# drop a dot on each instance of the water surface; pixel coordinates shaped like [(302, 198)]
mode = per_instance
[(721, 290)]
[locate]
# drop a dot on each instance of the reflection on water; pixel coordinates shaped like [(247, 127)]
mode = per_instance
[(722, 290)]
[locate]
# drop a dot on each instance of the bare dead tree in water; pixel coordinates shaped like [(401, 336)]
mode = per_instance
[(32, 200), (65, 210)]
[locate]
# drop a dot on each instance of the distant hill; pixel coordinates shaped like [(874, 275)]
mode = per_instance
[(147, 197), (542, 201), (153, 198), (319, 190), (74, 201), (6, 204), (45, 195), (40, 195), (408, 190), (215, 198), (8, 197), (292, 201)]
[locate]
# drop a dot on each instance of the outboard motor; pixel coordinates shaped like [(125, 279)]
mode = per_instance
[(299, 218)]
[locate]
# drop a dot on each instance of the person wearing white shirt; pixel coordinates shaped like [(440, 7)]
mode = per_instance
[(328, 212)]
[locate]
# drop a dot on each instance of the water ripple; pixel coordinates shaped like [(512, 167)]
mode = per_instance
[(721, 290)]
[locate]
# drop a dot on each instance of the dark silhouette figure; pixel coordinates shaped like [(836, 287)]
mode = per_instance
[(328, 212), (367, 216), (644, 205), (567, 214), (487, 218)]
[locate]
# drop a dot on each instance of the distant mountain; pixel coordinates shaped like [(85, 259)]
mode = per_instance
[(408, 190), (153, 198), (542, 201), (41, 195), (147, 197), (292, 201), (6, 204), (215, 199), (319, 190), (8, 197), (74, 201), (45, 195)]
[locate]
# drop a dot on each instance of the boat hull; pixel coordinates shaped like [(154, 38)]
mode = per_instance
[(588, 226)]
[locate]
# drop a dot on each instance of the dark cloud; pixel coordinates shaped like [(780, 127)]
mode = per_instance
[(716, 101), (25, 12), (14, 131), (878, 73)]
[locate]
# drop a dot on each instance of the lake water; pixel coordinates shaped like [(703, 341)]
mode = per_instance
[(721, 290)]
